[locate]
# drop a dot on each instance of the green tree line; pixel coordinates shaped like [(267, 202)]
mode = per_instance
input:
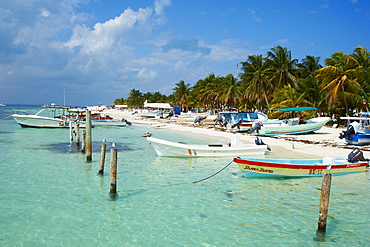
[(276, 80)]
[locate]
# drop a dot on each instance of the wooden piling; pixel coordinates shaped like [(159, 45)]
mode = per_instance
[(83, 149), (324, 202), (88, 137), (70, 131), (113, 171), (77, 133), (102, 158)]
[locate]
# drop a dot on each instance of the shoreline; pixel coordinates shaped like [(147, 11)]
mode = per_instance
[(322, 143)]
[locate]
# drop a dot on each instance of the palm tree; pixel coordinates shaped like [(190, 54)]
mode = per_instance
[(181, 93), (308, 84), (255, 80), (339, 79), (135, 98), (282, 66), (309, 66), (287, 97), (362, 57), (207, 91), (230, 91)]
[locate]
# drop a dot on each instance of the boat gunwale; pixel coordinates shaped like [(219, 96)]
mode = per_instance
[(206, 147), (316, 165)]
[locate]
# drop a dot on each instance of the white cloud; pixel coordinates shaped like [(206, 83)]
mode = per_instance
[(145, 73), (252, 14), (227, 50), (44, 12), (283, 41)]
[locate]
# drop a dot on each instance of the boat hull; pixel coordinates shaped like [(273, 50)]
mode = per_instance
[(34, 121), (248, 119), (359, 139), (271, 130), (296, 168), (174, 149)]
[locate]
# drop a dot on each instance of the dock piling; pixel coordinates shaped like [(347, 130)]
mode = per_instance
[(83, 149), (102, 158), (70, 131), (88, 136), (113, 171), (324, 202), (77, 133)]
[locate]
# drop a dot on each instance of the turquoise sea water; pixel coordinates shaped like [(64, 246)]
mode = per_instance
[(51, 197)]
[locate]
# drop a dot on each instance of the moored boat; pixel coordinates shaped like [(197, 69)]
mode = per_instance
[(358, 133), (242, 120), (293, 126), (300, 167), (179, 149), (48, 117)]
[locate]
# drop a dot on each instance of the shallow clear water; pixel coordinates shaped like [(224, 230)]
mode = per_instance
[(51, 197)]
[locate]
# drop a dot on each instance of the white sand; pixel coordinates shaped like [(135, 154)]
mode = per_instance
[(322, 143)]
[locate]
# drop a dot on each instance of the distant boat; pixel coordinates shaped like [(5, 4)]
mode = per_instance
[(156, 110), (242, 120), (97, 118), (293, 126), (299, 168), (48, 117), (179, 149), (358, 133), (2, 104)]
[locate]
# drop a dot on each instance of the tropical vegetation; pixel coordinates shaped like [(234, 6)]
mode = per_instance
[(275, 81)]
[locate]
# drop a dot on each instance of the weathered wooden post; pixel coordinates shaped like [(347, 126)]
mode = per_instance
[(77, 133), (324, 202), (70, 131), (113, 172), (102, 158), (83, 149), (88, 136)]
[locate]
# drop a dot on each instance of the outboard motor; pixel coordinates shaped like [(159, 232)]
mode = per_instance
[(351, 130), (224, 123), (356, 155), (258, 141), (170, 114), (256, 126), (199, 119), (237, 124), (127, 122)]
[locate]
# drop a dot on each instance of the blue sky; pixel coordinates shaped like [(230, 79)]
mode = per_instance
[(97, 51)]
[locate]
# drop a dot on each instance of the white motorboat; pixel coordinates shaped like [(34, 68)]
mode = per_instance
[(293, 126), (235, 149), (48, 117)]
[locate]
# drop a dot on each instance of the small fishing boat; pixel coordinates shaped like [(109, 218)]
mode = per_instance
[(97, 118), (293, 126), (48, 117), (179, 149), (156, 110), (302, 168), (358, 133), (242, 120)]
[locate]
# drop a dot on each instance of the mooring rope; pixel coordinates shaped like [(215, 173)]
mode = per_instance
[(197, 181), (213, 174), (146, 149), (6, 117)]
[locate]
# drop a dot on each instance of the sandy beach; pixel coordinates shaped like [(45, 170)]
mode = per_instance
[(322, 143)]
